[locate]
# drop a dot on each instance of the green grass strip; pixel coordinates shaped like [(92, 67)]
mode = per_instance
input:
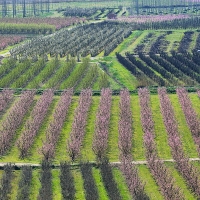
[(179, 181), (119, 72), (35, 184), (122, 48), (99, 183), (113, 150), (132, 46), (151, 188), (8, 79), (78, 182), (56, 188), (90, 76), (195, 102), (161, 136), (196, 164), (6, 66), (28, 75), (104, 80), (174, 40), (86, 151), (121, 183), (97, 83), (193, 42), (42, 77), (61, 148), (1, 173), (138, 147), (14, 184), (62, 73), (186, 137), (76, 75)]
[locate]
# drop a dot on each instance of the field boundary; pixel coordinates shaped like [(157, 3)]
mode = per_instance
[(152, 90), (18, 166)]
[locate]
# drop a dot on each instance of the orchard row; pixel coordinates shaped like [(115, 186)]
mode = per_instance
[(18, 114), (57, 74)]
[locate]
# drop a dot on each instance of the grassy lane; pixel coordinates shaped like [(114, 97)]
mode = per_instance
[(193, 42), (121, 184), (195, 103), (1, 173), (148, 43), (186, 137), (14, 74), (53, 81), (174, 40), (122, 48), (119, 72), (179, 181), (113, 84), (132, 46), (99, 183), (46, 73), (160, 131), (35, 185), (28, 75), (113, 150), (78, 182), (56, 188), (89, 78), (86, 152), (13, 153), (197, 165), (14, 184), (61, 148), (123, 75), (150, 187), (138, 148), (96, 84), (73, 78), (100, 80)]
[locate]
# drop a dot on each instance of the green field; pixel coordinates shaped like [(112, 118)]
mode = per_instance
[(138, 151), (95, 54), (112, 152)]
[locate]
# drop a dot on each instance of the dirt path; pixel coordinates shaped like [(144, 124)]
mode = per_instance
[(18, 166)]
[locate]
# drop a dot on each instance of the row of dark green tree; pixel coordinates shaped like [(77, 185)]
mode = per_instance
[(67, 182), (152, 6)]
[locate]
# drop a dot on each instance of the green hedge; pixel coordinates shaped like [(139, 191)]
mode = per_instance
[(152, 90)]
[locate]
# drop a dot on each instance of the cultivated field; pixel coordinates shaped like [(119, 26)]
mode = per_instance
[(98, 103)]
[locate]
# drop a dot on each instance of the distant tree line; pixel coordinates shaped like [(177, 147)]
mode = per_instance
[(22, 6), (141, 5)]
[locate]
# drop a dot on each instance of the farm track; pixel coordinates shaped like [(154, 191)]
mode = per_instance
[(18, 166)]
